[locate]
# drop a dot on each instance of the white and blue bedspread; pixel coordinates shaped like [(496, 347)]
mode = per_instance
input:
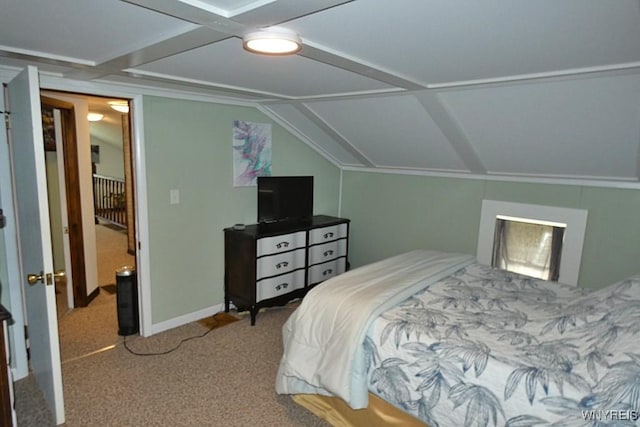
[(466, 345), (485, 347), (323, 338)]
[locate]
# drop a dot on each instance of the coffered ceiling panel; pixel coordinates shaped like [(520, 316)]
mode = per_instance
[(521, 88), (393, 131), (87, 30), (298, 118), (586, 127), (440, 41), (227, 65)]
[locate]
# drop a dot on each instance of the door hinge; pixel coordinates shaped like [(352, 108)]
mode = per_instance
[(27, 343), (7, 119)]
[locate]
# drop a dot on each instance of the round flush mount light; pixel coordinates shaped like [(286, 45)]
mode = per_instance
[(94, 117), (120, 106), (272, 41)]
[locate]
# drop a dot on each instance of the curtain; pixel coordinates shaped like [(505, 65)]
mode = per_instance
[(528, 248), (556, 253)]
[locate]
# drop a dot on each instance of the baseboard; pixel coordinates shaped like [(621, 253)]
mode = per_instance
[(187, 318), (93, 295)]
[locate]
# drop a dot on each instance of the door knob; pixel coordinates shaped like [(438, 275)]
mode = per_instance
[(50, 277), (35, 278)]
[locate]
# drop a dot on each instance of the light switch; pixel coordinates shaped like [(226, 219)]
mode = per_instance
[(174, 197)]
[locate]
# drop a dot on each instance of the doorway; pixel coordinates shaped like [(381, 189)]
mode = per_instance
[(98, 177)]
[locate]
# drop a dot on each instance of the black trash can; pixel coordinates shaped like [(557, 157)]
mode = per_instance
[(127, 300)]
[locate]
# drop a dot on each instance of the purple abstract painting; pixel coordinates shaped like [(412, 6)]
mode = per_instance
[(251, 152)]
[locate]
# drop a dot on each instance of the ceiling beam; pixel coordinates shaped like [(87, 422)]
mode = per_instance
[(191, 13), (43, 57), (340, 60), (198, 37), (570, 73), (280, 11), (452, 130), (282, 121), (214, 27), (256, 96), (334, 134)]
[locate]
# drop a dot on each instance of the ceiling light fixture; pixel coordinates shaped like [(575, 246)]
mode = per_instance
[(272, 41), (120, 106), (94, 117)]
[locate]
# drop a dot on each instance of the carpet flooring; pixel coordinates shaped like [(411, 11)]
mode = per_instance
[(219, 371), (112, 253), (225, 378)]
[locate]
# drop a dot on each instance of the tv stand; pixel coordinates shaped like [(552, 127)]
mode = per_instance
[(270, 264)]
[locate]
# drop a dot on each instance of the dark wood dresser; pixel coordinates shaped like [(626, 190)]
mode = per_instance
[(6, 385), (271, 264)]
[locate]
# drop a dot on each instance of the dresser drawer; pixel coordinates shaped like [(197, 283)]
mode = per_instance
[(321, 272), (285, 242), (279, 285), (326, 234), (279, 263), (327, 251)]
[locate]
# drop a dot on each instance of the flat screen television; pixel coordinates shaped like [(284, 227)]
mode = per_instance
[(285, 199)]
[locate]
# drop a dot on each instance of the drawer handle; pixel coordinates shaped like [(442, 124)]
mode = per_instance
[(282, 245), (329, 234), (327, 253), (282, 264), (282, 286), (327, 272)]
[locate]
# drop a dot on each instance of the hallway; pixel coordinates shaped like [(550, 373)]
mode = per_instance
[(86, 330)]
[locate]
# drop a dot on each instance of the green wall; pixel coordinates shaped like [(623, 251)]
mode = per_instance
[(188, 148), (393, 213)]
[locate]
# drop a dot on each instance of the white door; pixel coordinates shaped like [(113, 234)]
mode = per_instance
[(34, 235)]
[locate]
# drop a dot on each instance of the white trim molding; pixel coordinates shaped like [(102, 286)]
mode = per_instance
[(184, 319), (142, 218), (581, 181), (575, 219)]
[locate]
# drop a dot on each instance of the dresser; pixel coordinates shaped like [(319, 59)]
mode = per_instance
[(268, 265), (7, 413)]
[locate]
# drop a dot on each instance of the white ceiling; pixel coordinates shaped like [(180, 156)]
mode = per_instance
[(542, 88)]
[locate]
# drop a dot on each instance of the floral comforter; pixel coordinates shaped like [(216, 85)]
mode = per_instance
[(485, 347), (323, 339)]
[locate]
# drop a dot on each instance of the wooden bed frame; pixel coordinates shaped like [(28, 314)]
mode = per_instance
[(337, 413)]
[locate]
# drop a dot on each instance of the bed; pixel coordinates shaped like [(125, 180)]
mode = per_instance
[(445, 341)]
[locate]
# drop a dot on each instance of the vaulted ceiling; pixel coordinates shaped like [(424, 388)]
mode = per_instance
[(523, 88)]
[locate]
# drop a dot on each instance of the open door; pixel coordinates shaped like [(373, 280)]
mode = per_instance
[(66, 241), (34, 236), (61, 137)]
